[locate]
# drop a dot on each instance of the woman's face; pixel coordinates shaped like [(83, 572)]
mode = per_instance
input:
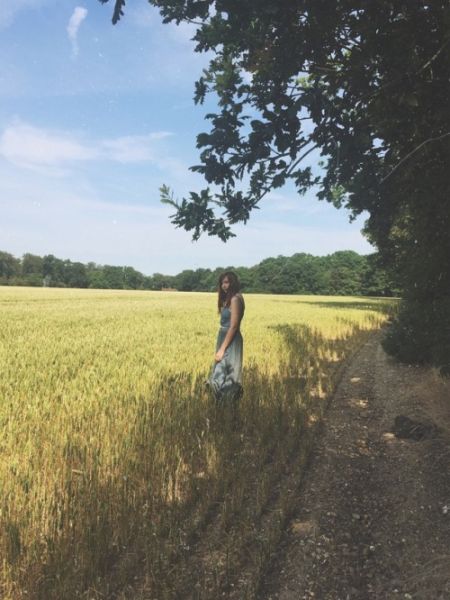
[(225, 284)]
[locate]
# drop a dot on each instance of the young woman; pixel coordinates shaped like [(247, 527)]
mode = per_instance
[(226, 377)]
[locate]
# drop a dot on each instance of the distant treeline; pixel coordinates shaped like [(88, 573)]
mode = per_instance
[(342, 273)]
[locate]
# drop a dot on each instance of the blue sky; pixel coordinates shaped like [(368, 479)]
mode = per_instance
[(94, 118)]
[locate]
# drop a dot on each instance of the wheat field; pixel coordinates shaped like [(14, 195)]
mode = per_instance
[(116, 465)]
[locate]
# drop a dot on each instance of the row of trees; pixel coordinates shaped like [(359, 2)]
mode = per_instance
[(341, 273), (34, 270)]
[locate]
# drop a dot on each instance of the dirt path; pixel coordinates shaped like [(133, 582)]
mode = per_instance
[(373, 512)]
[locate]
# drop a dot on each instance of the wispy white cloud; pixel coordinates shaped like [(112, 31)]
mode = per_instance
[(78, 16), (32, 148), (50, 151), (141, 54), (129, 149)]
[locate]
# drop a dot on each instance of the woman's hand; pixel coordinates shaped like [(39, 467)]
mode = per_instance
[(219, 355)]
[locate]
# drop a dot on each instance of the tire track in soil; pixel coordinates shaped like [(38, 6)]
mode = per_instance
[(370, 521)]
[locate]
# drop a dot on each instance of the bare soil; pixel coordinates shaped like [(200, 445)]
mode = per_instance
[(372, 516)]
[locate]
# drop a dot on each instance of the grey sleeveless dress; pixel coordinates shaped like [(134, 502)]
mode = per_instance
[(226, 376)]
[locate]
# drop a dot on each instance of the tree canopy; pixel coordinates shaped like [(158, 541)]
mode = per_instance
[(365, 85)]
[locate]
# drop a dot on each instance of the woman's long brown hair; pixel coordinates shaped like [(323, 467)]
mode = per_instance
[(224, 299)]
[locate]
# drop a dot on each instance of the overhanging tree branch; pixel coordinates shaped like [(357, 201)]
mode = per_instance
[(405, 158)]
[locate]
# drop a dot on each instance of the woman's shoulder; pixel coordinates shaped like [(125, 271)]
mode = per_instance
[(238, 298)]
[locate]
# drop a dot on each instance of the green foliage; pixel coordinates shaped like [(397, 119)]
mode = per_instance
[(118, 9), (31, 264), (422, 330), (195, 214), (51, 271), (344, 273), (9, 266), (364, 83)]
